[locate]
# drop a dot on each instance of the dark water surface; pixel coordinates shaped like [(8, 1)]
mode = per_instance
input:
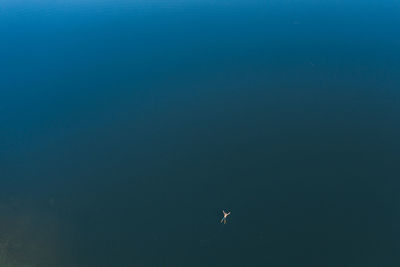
[(127, 126)]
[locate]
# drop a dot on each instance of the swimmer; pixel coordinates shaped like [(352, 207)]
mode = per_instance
[(225, 215)]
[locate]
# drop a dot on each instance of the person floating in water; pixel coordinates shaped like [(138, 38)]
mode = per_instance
[(225, 215)]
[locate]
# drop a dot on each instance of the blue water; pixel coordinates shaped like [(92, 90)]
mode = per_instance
[(128, 126)]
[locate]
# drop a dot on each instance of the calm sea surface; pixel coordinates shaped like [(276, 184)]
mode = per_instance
[(126, 127)]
